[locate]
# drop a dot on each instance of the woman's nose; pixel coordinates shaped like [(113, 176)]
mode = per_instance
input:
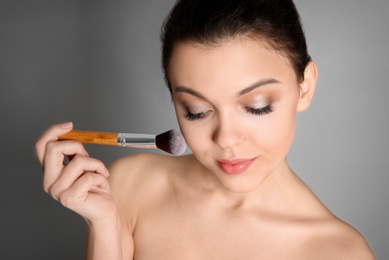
[(228, 133)]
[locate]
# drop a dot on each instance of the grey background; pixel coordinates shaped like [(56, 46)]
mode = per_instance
[(97, 63)]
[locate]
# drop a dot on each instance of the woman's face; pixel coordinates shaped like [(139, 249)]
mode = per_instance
[(236, 105)]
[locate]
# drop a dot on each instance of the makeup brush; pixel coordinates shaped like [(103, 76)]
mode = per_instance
[(170, 141)]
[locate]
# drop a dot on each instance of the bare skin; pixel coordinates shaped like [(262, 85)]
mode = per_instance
[(234, 102), (175, 213)]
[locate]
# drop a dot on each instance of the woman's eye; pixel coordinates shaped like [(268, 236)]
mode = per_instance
[(191, 117), (259, 111)]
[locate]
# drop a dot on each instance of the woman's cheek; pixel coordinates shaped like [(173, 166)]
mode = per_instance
[(196, 136), (188, 132), (283, 129)]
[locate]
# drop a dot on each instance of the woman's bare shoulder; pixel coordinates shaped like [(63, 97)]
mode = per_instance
[(132, 171), (143, 176), (332, 238), (138, 162)]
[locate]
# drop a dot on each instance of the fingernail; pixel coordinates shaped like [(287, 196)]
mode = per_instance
[(66, 125)]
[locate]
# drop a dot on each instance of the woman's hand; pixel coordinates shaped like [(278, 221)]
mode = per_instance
[(80, 185)]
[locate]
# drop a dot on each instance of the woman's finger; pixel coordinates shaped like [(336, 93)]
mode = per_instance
[(54, 156), (72, 172), (89, 196), (50, 134)]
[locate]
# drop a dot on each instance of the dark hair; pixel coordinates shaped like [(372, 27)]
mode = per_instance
[(210, 22)]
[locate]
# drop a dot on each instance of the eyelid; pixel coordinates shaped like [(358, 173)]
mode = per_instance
[(196, 116), (260, 111), (195, 111), (260, 101)]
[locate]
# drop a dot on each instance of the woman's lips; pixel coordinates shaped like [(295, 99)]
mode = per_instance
[(235, 166)]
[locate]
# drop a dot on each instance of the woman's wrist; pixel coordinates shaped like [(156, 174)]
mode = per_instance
[(105, 222), (104, 239)]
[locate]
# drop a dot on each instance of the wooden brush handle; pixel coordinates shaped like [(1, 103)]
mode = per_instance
[(89, 137)]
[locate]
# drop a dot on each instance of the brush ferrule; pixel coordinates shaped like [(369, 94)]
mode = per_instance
[(136, 140)]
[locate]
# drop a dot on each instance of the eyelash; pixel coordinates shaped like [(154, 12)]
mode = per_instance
[(192, 117), (260, 111), (254, 111)]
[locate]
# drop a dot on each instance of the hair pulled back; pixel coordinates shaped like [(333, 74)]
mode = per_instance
[(209, 22)]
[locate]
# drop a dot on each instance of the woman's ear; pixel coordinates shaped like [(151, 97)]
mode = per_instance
[(307, 87)]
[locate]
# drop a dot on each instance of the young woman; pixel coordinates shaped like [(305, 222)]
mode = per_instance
[(238, 72)]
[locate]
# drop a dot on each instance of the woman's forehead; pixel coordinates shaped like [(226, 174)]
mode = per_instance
[(230, 67), (238, 55)]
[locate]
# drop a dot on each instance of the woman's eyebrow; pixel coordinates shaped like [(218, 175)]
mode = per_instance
[(257, 85), (189, 91), (241, 93)]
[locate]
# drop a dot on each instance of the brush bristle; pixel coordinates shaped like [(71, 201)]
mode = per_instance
[(171, 142)]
